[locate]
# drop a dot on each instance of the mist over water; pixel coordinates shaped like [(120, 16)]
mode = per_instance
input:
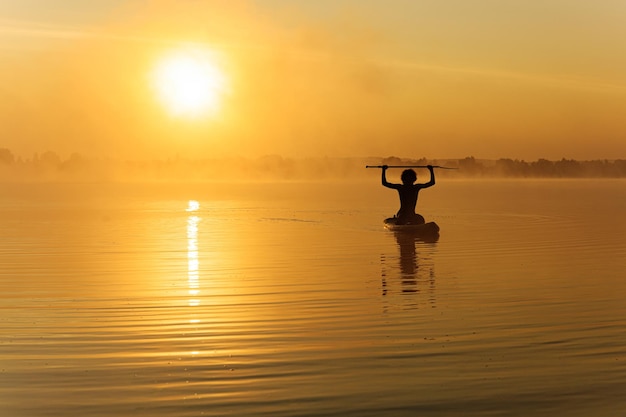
[(290, 299), (50, 167)]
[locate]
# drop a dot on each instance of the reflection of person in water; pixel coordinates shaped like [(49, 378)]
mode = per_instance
[(408, 261), (408, 192), (413, 272), (408, 254)]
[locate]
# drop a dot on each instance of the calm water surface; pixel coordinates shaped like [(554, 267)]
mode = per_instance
[(292, 300)]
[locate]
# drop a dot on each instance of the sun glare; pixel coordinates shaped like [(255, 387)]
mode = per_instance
[(189, 83)]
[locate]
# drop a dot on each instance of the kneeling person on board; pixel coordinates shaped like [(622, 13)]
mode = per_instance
[(408, 192)]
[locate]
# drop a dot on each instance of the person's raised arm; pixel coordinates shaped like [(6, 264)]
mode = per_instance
[(432, 177), (387, 183), (384, 177)]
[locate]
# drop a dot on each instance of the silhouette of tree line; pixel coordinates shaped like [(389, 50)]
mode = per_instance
[(541, 168), (50, 166)]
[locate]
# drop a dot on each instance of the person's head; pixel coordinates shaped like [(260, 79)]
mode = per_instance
[(408, 176)]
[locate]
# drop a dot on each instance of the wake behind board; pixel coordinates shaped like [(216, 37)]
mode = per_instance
[(423, 229)]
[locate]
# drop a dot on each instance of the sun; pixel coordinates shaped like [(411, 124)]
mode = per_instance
[(189, 82)]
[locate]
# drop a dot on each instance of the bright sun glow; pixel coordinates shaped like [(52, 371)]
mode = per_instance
[(189, 83)]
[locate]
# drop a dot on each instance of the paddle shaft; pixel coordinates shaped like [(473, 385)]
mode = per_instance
[(407, 166)]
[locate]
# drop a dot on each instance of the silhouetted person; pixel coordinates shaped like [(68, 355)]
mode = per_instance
[(408, 192)]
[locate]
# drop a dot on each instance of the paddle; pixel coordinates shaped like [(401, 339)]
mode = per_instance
[(408, 166)]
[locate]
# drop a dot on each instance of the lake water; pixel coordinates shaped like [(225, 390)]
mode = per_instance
[(292, 300)]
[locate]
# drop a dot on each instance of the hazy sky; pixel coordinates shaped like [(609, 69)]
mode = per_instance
[(411, 78)]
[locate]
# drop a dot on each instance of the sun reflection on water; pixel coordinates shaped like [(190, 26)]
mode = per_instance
[(192, 253)]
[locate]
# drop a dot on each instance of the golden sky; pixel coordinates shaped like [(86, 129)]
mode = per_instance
[(410, 78)]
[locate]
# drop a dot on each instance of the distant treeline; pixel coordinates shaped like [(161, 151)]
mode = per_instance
[(542, 168), (49, 166)]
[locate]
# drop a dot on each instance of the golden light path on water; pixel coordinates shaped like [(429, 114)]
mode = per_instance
[(193, 264)]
